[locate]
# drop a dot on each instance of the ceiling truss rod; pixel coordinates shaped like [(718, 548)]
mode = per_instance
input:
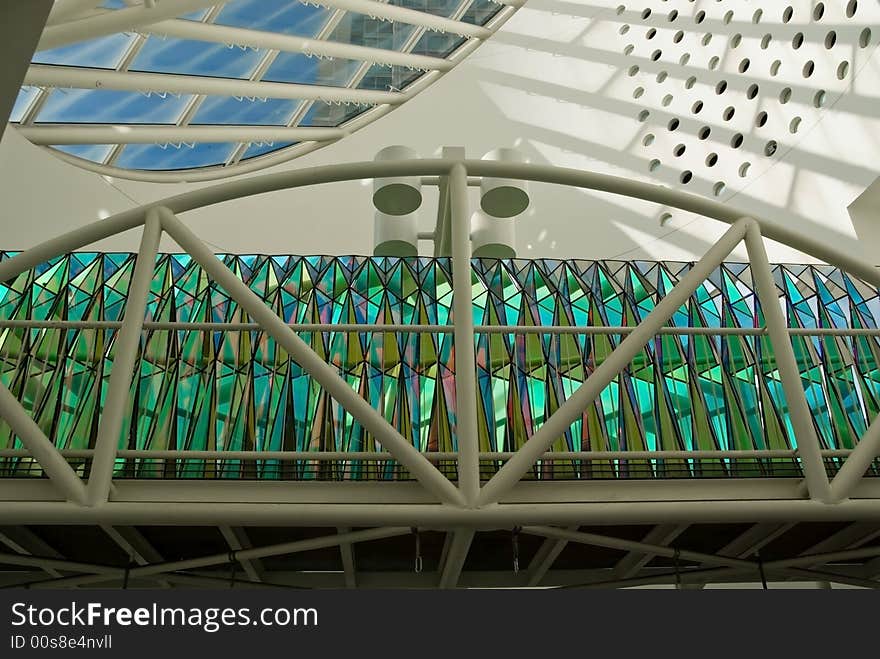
[(135, 134), (41, 75), (292, 44)]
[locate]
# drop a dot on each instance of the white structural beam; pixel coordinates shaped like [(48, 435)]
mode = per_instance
[(545, 557), (126, 353), (134, 134), (411, 16), (853, 469), (292, 44), (44, 562), (643, 547), (120, 20), (135, 545), (634, 561), (590, 494), (773, 571), (463, 320), (455, 556), (789, 373), (237, 540), (841, 546), (560, 421), (852, 536), (750, 541), (346, 554), (728, 565), (397, 579), (427, 515), (326, 375), (22, 540), (754, 539), (44, 451), (100, 573), (42, 75)]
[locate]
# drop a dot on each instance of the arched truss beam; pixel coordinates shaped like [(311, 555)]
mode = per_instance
[(471, 500), (265, 183)]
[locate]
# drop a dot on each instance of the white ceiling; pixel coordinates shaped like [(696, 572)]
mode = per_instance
[(557, 83)]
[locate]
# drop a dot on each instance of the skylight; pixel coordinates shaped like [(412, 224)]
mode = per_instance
[(197, 90)]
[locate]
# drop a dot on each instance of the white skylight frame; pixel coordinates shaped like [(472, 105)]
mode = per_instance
[(74, 20)]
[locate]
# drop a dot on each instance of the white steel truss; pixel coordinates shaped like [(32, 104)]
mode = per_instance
[(434, 502)]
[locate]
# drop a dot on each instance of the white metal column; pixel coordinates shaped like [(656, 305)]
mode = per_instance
[(789, 374), (463, 318), (127, 349)]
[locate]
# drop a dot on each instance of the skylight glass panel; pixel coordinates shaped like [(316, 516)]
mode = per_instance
[(188, 57), (389, 78), (174, 156), (299, 68), (481, 12), (283, 16), (26, 96), (444, 8), (262, 148), (98, 106), (234, 111), (93, 152), (438, 44), (330, 115), (102, 53), (365, 31)]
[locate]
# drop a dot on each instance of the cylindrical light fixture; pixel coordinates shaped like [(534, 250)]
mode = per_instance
[(492, 237), (503, 197), (395, 235), (399, 195)]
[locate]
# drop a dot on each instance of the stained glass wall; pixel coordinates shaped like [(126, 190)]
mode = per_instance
[(238, 390)]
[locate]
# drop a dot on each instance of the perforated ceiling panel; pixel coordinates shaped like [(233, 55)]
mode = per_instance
[(728, 87)]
